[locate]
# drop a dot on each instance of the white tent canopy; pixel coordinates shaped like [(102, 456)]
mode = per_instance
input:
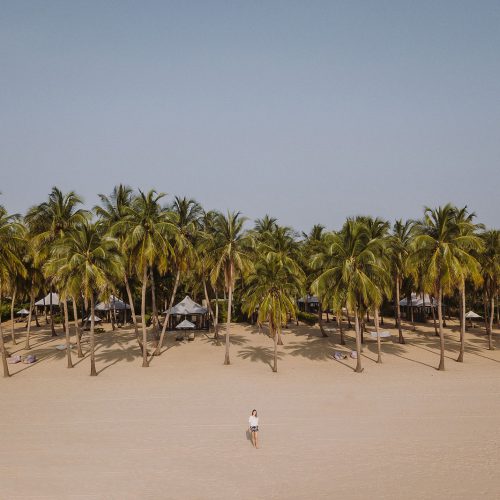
[(418, 301), (310, 299), (89, 319), (114, 303), (45, 301), (187, 306), (472, 314), (185, 325), (382, 334), (23, 312)]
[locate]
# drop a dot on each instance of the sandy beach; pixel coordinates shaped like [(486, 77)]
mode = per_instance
[(177, 430)]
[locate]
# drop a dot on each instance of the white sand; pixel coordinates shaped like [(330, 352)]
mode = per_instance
[(178, 429)]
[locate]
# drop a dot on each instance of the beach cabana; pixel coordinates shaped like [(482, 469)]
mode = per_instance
[(23, 312), (45, 301), (189, 310), (185, 325), (113, 307), (471, 315), (418, 305), (309, 303), (89, 319), (114, 303)]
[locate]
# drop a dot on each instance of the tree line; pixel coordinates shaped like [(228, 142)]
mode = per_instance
[(139, 244)]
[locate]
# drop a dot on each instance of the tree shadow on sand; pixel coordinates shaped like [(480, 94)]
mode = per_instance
[(258, 353), (236, 340), (392, 348), (316, 349), (112, 349)]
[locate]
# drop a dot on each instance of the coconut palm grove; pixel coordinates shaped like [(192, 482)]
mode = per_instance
[(150, 250)]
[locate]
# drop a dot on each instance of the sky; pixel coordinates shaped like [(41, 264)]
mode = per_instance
[(310, 111)]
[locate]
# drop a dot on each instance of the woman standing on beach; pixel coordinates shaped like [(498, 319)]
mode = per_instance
[(253, 423)]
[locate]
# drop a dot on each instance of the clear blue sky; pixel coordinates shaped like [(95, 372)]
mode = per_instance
[(310, 111)]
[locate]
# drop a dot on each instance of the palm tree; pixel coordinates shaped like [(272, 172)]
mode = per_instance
[(348, 267), (490, 268), (11, 240), (147, 229), (400, 248), (85, 260), (112, 212), (443, 251), (265, 225), (185, 215), (379, 230), (203, 261), (279, 243), (52, 220), (470, 268), (232, 257), (35, 281), (272, 291)]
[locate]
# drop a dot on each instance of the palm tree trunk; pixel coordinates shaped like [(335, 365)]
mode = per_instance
[(460, 358), (66, 328), (276, 334), (132, 311), (398, 312), (209, 306), (93, 372), (77, 330), (167, 315), (280, 339), (498, 312), (436, 333), (491, 347), (320, 319), (12, 304), (424, 316), (379, 349), (358, 341), (216, 326), (28, 329), (341, 330), (54, 334), (2, 345), (229, 306), (412, 318), (36, 317), (441, 335), (155, 321), (145, 362)]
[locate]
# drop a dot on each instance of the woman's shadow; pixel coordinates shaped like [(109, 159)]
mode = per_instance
[(249, 436)]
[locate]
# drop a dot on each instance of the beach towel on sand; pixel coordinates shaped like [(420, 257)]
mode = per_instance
[(339, 355)]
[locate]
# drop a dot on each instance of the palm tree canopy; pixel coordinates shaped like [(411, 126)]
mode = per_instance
[(444, 248), (352, 267), (54, 218), (232, 248), (85, 261), (146, 227), (12, 246)]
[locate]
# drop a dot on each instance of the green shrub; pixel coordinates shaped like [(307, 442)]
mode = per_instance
[(307, 318), (5, 312)]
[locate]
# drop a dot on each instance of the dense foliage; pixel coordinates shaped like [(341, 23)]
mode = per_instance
[(140, 246)]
